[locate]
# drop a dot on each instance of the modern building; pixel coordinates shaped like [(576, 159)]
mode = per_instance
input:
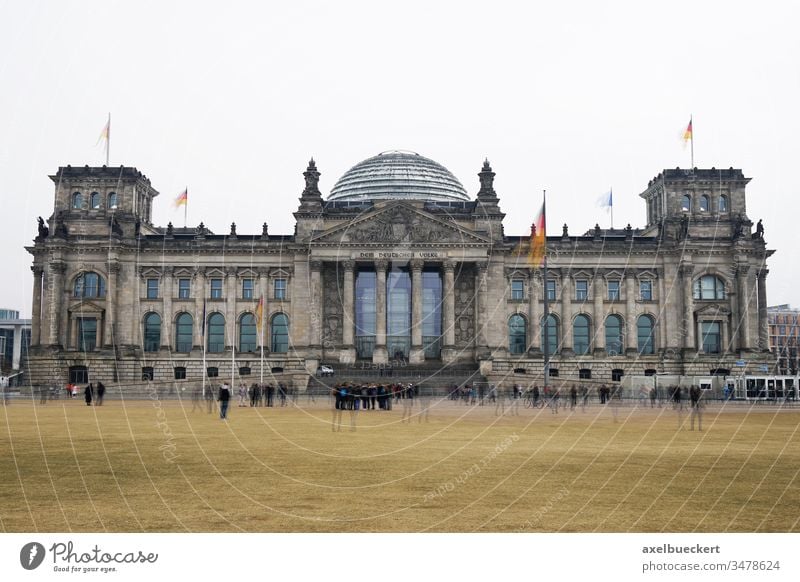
[(397, 264), (784, 336), (15, 334)]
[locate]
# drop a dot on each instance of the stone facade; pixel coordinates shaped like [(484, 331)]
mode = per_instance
[(119, 299)]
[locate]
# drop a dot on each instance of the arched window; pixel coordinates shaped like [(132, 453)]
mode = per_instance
[(686, 203), (704, 203), (709, 287), (580, 335), (183, 333), (644, 327), (517, 337), (77, 200), (247, 333), (216, 333), (280, 333), (723, 204), (95, 200), (614, 338), (112, 200), (90, 285), (152, 332), (551, 330)]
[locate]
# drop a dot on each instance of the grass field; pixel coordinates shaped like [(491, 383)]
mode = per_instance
[(158, 466)]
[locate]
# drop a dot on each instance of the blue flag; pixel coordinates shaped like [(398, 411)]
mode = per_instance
[(606, 200)]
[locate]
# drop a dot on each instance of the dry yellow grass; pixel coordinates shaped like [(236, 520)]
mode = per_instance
[(158, 466)]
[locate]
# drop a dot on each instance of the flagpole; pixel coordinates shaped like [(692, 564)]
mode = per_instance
[(108, 139), (611, 205), (546, 346), (691, 138), (185, 206)]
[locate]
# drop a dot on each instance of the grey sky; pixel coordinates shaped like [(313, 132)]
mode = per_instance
[(231, 100)]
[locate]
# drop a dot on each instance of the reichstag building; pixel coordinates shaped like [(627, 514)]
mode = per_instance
[(398, 264)]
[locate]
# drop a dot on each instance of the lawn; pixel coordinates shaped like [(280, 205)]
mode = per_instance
[(158, 466)]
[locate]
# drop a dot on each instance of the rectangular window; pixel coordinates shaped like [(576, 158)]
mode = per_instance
[(585, 374), (551, 290), (581, 290), (216, 288), (712, 338), (212, 372), (517, 290), (147, 373), (279, 287), (247, 288), (184, 288), (613, 290), (87, 334), (646, 290), (180, 373), (152, 288)]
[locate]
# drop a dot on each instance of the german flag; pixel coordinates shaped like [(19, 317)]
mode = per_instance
[(538, 239)]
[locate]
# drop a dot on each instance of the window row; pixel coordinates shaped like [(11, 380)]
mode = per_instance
[(582, 333), (213, 332), (582, 290), (95, 200), (704, 203), (215, 288)]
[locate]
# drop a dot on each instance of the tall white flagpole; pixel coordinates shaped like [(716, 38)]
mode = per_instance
[(108, 139)]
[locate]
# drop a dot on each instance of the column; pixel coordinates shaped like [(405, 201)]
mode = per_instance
[(111, 304), (348, 352), (663, 320), (379, 354), (631, 335), (449, 312), (743, 312), (599, 316), (36, 305), (230, 308), (534, 314), (263, 290), (166, 298), (315, 340), (199, 292), (481, 347), (686, 272), (417, 355), (566, 313), (55, 293), (763, 321)]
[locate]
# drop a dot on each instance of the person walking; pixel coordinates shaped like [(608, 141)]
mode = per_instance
[(243, 395), (87, 394), (101, 392), (224, 397)]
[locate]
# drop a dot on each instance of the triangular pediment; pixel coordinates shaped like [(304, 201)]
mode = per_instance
[(399, 222)]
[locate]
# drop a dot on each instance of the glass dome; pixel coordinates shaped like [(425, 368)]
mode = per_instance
[(398, 175)]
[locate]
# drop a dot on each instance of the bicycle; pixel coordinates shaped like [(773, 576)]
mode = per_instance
[(532, 401)]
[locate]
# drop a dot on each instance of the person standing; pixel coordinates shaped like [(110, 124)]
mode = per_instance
[(87, 394), (101, 392), (243, 395), (224, 397), (573, 397), (696, 399)]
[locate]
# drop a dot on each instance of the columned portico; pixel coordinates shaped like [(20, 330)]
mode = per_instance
[(36, 312)]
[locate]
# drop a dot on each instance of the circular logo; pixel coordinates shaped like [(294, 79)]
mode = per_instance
[(31, 555)]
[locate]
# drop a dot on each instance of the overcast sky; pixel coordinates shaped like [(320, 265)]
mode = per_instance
[(232, 100)]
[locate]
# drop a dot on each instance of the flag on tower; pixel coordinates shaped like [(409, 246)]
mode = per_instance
[(259, 314), (606, 200), (538, 239), (183, 198), (687, 134), (105, 136)]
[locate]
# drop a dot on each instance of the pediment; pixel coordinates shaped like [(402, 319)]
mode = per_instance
[(214, 272), (149, 272), (582, 274), (88, 307), (396, 223), (183, 272), (713, 309), (279, 273), (245, 273), (614, 275), (646, 274)]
